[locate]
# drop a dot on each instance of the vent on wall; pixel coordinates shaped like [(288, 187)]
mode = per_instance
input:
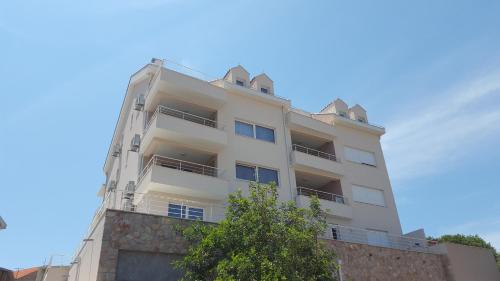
[(135, 143)]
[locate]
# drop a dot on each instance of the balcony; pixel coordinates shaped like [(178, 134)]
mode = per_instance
[(315, 161), (378, 238), (171, 83), (305, 122), (332, 204), (173, 125), (182, 178)]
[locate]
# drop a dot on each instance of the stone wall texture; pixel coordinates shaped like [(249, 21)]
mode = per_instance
[(128, 231), (363, 262)]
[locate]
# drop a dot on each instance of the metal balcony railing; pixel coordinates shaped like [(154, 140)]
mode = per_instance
[(321, 194), (378, 238), (181, 115), (177, 164), (314, 152)]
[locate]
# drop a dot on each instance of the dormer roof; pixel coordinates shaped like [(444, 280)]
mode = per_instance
[(358, 107), (262, 76), (238, 67)]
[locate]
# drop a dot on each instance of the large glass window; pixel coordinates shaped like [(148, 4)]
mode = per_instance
[(244, 172), (268, 175), (244, 129), (263, 133), (254, 131)]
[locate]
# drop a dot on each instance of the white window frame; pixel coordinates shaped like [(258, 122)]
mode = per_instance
[(256, 167), (254, 127), (187, 210)]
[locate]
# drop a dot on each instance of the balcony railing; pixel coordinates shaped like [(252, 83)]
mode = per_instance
[(177, 164), (181, 115), (378, 238), (321, 194), (314, 152)]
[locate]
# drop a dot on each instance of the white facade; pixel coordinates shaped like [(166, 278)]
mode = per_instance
[(182, 145)]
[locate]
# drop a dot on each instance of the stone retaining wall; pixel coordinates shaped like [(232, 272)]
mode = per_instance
[(365, 262), (128, 231)]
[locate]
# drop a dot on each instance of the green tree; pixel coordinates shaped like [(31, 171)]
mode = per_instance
[(469, 240), (260, 239)]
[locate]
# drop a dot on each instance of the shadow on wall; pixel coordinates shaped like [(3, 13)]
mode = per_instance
[(135, 265)]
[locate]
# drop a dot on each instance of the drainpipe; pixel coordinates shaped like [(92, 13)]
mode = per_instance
[(287, 151)]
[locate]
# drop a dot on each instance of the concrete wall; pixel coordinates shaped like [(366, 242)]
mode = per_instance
[(471, 263), (87, 260)]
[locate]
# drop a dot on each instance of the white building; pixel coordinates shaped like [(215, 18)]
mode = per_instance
[(182, 144)]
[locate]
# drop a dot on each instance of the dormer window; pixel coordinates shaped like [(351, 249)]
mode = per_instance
[(361, 119), (240, 82), (264, 90), (343, 114)]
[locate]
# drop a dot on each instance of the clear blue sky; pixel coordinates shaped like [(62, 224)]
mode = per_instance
[(429, 71)]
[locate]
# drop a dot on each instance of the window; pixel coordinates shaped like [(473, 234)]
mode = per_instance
[(185, 212), (361, 119), (195, 213), (368, 195), (264, 90), (360, 156), (259, 174), (254, 131), (264, 134), (240, 82), (343, 113), (243, 129), (268, 175), (245, 172)]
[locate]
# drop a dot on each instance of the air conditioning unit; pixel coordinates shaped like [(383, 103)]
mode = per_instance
[(135, 143), (139, 102), (129, 190), (116, 150), (112, 185)]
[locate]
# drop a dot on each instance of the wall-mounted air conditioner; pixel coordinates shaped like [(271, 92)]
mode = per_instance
[(129, 190), (139, 102), (135, 143), (116, 150), (112, 185)]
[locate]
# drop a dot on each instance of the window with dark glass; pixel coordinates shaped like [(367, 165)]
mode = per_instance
[(264, 90), (265, 134), (185, 212), (195, 213), (244, 172), (243, 129), (240, 83), (176, 210), (268, 175)]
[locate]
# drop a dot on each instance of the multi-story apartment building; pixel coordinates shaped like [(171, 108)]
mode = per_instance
[(182, 144)]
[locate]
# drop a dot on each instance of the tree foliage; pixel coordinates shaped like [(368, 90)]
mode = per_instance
[(260, 239)]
